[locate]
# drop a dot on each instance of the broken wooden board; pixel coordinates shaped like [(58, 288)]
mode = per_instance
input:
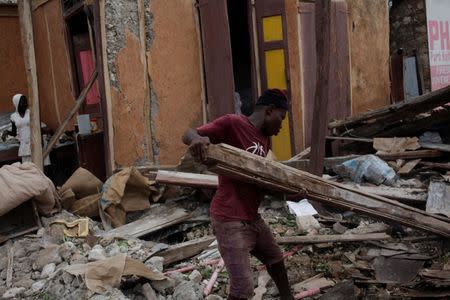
[(398, 110), (405, 195), (440, 147), (317, 239), (410, 154), (317, 281), (394, 270), (396, 144), (329, 162), (244, 166), (149, 224), (444, 166), (438, 201), (187, 179), (186, 250), (408, 167), (302, 155)]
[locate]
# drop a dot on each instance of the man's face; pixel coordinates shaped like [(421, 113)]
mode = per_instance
[(274, 119), (23, 105)]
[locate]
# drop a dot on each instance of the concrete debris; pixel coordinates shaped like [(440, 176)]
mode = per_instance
[(97, 253), (349, 255), (48, 270)]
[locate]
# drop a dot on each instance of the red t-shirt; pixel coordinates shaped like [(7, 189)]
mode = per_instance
[(236, 200)]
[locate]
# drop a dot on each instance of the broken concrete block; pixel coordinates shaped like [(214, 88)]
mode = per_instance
[(48, 270), (188, 290), (66, 250), (26, 283), (195, 276), (339, 228), (97, 253), (156, 263), (13, 293), (163, 286), (47, 256), (149, 292), (438, 201), (38, 285), (308, 224)]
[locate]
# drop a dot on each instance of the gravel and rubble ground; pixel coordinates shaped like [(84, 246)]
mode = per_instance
[(39, 261)]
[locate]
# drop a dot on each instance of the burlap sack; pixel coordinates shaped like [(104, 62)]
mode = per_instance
[(125, 191), (83, 183), (86, 207), (21, 182), (67, 198)]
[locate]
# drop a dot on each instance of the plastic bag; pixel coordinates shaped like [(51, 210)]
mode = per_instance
[(367, 168)]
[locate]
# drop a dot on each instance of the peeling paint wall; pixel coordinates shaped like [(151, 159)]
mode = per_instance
[(13, 78), (147, 129), (127, 82), (174, 67), (53, 64), (369, 54)]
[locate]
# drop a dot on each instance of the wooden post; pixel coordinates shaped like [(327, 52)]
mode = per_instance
[(26, 30), (70, 115), (319, 124)]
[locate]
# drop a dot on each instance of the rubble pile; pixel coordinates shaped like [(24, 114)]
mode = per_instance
[(374, 226)]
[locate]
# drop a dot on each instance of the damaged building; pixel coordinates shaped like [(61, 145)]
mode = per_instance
[(353, 194), (158, 62)]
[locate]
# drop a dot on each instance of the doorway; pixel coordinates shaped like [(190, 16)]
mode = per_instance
[(241, 50)]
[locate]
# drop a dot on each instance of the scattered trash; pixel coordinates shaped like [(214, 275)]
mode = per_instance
[(77, 228)]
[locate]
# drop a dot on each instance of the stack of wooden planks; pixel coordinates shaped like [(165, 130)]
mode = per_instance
[(226, 160)]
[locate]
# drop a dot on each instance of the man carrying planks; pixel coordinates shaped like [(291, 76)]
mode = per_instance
[(239, 229)]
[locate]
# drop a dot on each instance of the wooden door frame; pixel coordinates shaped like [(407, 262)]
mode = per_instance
[(97, 49), (269, 8)]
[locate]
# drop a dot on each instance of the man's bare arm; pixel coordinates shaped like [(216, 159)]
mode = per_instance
[(197, 144)]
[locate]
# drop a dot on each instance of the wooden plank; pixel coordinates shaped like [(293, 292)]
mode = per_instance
[(108, 127), (186, 250), (302, 155), (26, 30), (217, 56), (445, 166), (440, 147), (248, 167), (149, 224), (408, 167), (187, 179), (414, 106), (410, 154), (317, 239), (346, 138), (405, 195), (320, 113), (37, 3), (9, 268), (70, 115), (329, 162)]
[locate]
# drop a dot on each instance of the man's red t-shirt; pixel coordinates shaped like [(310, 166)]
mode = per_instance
[(236, 200)]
